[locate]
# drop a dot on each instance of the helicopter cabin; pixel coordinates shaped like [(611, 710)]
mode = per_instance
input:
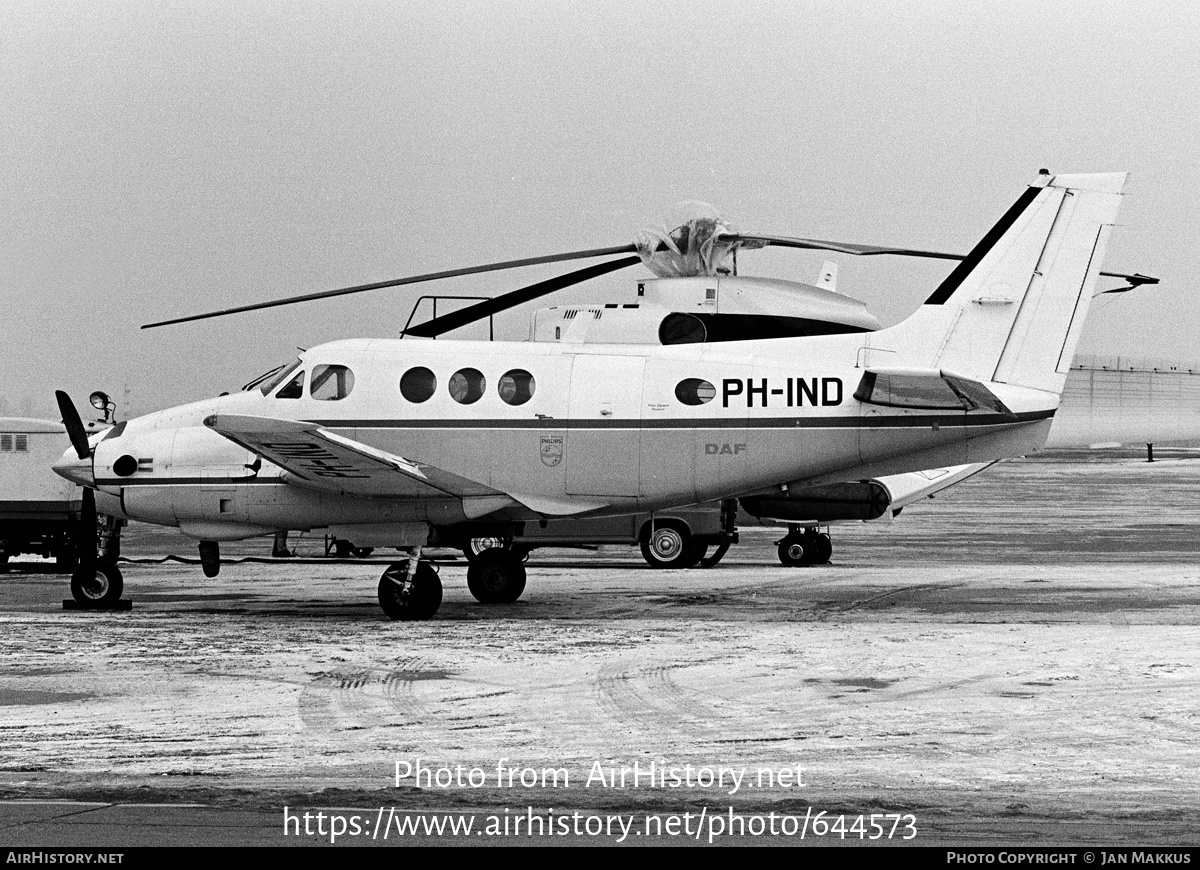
[(706, 309)]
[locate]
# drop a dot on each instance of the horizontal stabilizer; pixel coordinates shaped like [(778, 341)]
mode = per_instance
[(933, 389)]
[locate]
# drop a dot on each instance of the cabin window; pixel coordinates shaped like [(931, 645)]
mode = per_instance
[(467, 386), (14, 443), (693, 391), (418, 385), (294, 388), (330, 383), (516, 387), (682, 329)]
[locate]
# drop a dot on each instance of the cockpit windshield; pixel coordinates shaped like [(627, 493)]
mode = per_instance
[(268, 381)]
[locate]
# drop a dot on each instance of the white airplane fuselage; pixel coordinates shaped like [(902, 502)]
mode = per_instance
[(403, 435), (603, 432)]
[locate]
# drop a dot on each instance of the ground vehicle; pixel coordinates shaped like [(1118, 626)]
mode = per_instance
[(677, 538), (39, 511)]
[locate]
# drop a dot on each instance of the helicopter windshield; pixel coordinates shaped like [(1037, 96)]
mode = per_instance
[(268, 381)]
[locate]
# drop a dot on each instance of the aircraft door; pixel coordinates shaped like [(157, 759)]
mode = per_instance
[(604, 438)]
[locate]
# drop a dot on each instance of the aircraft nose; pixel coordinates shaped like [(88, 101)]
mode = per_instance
[(74, 469)]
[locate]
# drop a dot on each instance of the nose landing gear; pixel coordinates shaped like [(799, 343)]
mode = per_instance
[(97, 585)]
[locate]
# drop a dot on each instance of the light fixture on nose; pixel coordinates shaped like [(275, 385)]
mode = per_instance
[(102, 403)]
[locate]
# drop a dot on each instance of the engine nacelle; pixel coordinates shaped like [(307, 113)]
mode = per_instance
[(859, 500)]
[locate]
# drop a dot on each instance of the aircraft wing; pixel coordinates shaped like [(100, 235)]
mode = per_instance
[(312, 456)]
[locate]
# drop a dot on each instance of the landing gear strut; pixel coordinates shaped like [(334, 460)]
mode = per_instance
[(804, 547), (410, 590)]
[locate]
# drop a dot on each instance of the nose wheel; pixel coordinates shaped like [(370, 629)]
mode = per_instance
[(97, 585), (410, 597), (801, 548)]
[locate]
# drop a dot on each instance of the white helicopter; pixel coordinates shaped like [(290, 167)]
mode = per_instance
[(411, 444)]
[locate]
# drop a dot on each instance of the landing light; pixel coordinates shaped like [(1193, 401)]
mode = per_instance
[(102, 403)]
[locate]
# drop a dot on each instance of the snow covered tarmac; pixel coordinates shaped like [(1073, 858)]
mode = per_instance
[(1015, 661)]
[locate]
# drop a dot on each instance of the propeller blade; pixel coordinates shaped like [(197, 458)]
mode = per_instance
[(399, 282), (74, 424), (86, 543), (472, 313)]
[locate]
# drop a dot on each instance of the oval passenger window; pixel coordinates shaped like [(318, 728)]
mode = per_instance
[(466, 386), (694, 391), (418, 385), (516, 387)]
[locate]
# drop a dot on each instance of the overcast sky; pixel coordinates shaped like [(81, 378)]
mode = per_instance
[(159, 159)]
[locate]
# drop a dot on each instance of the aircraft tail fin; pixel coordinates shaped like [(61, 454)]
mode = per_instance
[(1013, 310)]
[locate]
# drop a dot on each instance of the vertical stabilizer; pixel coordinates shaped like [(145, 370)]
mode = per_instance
[(1012, 311)]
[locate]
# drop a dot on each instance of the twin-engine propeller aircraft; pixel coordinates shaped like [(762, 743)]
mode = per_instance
[(409, 444)]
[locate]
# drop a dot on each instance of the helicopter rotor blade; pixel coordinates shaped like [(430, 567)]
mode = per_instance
[(74, 424), (399, 282), (1135, 280), (472, 313), (840, 247)]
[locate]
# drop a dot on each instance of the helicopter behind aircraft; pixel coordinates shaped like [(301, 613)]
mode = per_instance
[(389, 442)]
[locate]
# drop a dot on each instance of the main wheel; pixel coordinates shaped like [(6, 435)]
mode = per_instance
[(408, 600), (822, 548), (669, 546), (496, 576), (100, 585), (794, 551)]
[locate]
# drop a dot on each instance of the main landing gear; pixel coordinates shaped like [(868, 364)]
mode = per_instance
[(410, 590), (496, 576), (801, 547)]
